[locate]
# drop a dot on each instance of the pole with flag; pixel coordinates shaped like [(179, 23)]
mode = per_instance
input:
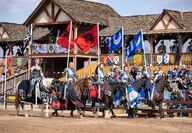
[(123, 48), (98, 50), (144, 50)]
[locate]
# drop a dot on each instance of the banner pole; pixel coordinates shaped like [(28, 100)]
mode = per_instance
[(5, 86), (99, 85), (144, 50), (123, 48)]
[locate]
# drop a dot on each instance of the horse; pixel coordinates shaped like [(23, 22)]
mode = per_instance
[(74, 95), (43, 88), (157, 93)]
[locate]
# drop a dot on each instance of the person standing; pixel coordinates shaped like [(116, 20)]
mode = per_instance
[(162, 48)]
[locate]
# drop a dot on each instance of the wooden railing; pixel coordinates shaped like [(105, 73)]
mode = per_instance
[(12, 81)]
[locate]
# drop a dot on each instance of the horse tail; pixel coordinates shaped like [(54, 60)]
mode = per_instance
[(17, 96)]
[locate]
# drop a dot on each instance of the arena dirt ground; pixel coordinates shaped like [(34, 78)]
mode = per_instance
[(9, 123)]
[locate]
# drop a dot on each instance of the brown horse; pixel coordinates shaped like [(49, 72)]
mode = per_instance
[(74, 94)]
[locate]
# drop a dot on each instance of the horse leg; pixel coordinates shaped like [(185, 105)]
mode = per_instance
[(161, 112), (23, 108), (42, 110), (80, 113), (111, 109), (17, 109)]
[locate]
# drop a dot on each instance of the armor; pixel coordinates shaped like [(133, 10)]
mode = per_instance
[(36, 75), (71, 74), (101, 74)]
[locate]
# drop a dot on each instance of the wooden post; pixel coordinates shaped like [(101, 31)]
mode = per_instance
[(180, 41), (75, 45)]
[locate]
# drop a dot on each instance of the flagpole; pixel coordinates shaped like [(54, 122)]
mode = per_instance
[(69, 44), (144, 50), (98, 47), (123, 48)]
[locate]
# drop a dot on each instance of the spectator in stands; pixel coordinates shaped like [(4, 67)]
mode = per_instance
[(189, 48), (162, 48), (182, 72), (26, 52), (18, 53), (134, 71), (175, 50)]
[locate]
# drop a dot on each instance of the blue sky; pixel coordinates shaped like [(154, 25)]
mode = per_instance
[(18, 10)]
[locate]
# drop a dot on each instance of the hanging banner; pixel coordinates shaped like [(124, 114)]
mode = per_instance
[(110, 59), (10, 60), (172, 59), (159, 59), (104, 60), (137, 59), (166, 58), (116, 59), (19, 61)]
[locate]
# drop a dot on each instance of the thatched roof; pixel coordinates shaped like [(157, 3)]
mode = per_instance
[(17, 32), (132, 24), (80, 11)]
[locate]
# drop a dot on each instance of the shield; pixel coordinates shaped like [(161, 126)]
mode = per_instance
[(137, 59), (105, 60), (166, 58), (172, 59), (116, 60), (19, 61), (110, 59), (159, 59)]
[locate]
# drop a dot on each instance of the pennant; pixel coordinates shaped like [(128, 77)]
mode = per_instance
[(136, 44), (159, 59), (115, 41), (110, 59), (88, 40), (172, 59), (137, 59), (116, 59), (66, 38), (166, 58)]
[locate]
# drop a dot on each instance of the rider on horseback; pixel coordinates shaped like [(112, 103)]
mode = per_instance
[(36, 75), (100, 73)]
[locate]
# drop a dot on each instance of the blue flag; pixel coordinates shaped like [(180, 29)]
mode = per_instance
[(115, 41), (136, 44)]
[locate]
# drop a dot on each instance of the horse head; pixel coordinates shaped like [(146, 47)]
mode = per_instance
[(167, 83), (87, 82)]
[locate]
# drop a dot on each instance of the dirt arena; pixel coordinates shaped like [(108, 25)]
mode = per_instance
[(9, 123)]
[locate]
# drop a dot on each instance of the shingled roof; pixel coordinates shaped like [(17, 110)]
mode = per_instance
[(81, 11), (132, 24), (17, 32)]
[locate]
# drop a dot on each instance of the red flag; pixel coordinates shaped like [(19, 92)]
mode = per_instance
[(66, 37), (88, 40)]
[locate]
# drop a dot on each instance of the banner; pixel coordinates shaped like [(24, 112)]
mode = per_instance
[(110, 59), (116, 59), (19, 61), (159, 59), (105, 60), (166, 58), (137, 59), (172, 59)]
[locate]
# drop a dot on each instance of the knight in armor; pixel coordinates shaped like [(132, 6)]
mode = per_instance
[(100, 73), (125, 77), (71, 74), (36, 75)]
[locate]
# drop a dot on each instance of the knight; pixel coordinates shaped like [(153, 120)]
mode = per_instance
[(36, 75), (100, 73), (71, 75)]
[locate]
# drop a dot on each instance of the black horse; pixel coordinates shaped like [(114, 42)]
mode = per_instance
[(159, 87), (43, 88)]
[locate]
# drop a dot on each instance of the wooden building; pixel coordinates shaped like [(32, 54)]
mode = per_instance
[(56, 15)]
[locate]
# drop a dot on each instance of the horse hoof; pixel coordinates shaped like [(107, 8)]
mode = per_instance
[(26, 115), (113, 116), (81, 117)]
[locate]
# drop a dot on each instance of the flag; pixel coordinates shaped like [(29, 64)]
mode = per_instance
[(88, 40), (159, 59), (10, 60), (66, 38), (28, 37), (115, 41), (136, 44)]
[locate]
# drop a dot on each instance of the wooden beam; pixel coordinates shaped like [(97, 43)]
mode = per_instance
[(52, 10), (168, 23), (47, 13), (75, 36), (57, 15), (164, 24)]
